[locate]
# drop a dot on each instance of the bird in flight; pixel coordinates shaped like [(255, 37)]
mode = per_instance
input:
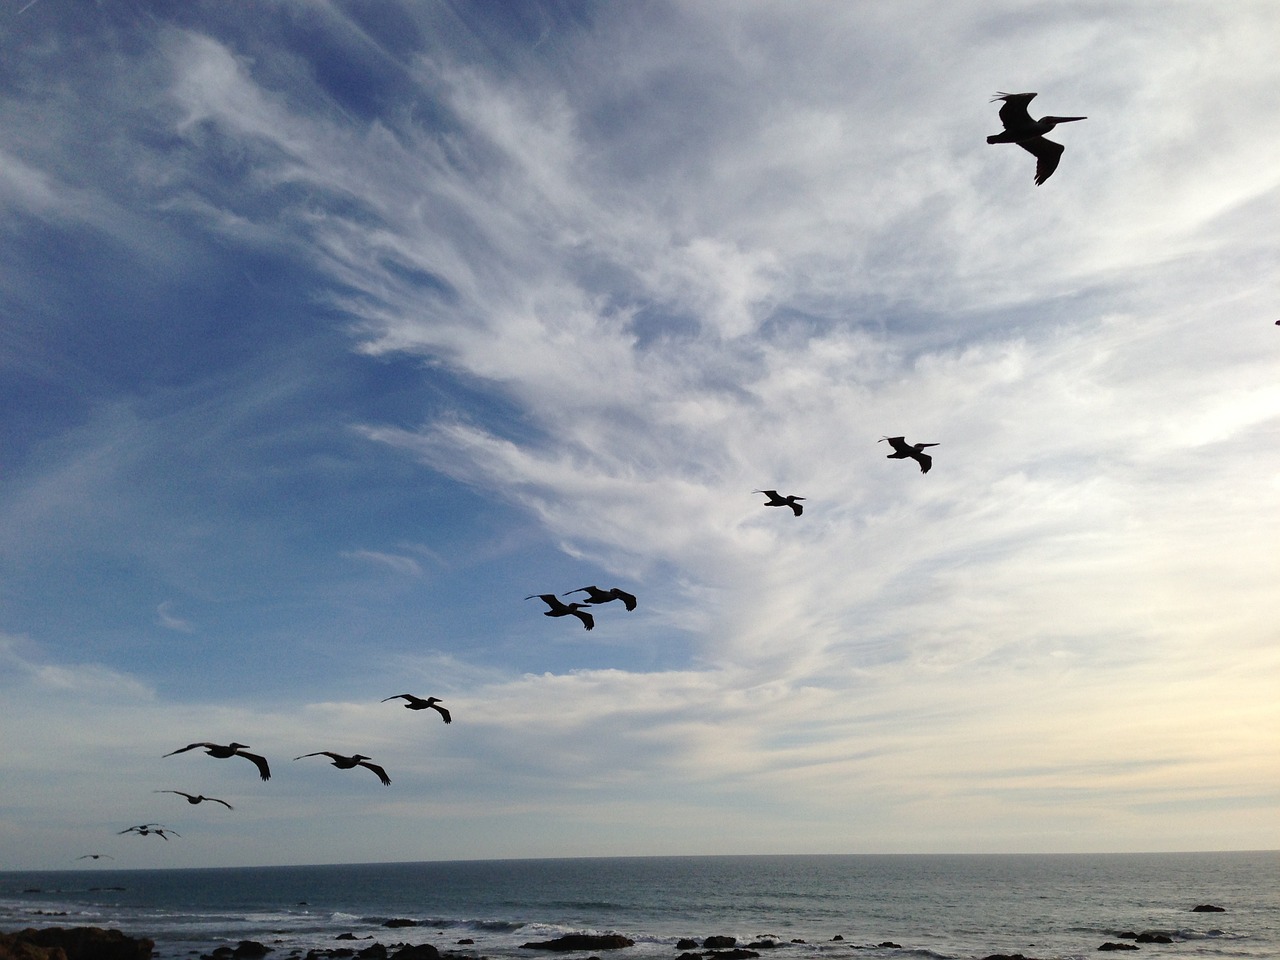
[(777, 500), (561, 609), (95, 856), (196, 798), (143, 829), (346, 763), (902, 450), (1019, 128), (417, 703), (230, 750), (595, 595)]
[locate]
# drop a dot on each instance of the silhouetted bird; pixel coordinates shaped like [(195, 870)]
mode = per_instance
[(1019, 128), (596, 595), (346, 763), (196, 798), (144, 829), (561, 609), (902, 450), (230, 750), (417, 703), (95, 856), (777, 500)]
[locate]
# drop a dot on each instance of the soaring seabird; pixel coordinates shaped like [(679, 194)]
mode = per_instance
[(561, 609), (94, 856), (417, 703), (1019, 128), (902, 450), (346, 763), (143, 829), (595, 595), (777, 500), (230, 750), (196, 798)]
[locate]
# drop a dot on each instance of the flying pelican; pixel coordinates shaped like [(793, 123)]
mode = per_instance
[(776, 500), (196, 798), (596, 595), (346, 763), (94, 856), (902, 450), (143, 829), (1019, 128), (561, 609), (417, 703), (230, 750)]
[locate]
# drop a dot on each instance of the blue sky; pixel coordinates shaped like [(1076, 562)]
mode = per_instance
[(330, 331)]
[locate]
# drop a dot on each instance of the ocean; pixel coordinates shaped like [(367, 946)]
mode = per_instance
[(964, 906)]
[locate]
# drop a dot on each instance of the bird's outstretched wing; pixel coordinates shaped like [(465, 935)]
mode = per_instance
[(444, 714), (189, 746), (899, 445), (588, 621), (925, 462), (260, 762), (382, 774), (1047, 154), (405, 696), (1014, 113), (628, 599), (318, 753)]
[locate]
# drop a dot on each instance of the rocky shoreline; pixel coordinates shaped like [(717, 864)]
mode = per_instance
[(97, 943)]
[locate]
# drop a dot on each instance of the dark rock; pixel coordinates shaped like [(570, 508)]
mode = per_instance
[(1117, 946), (581, 941), (465, 941), (1006, 956), (838, 936), (375, 951), (719, 943), (1149, 936), (345, 936), (1207, 908), (738, 953), (687, 955), (400, 922), (87, 943), (417, 951), (764, 944), (250, 950), (684, 943)]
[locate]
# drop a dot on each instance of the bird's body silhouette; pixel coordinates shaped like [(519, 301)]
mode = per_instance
[(417, 703), (558, 608), (902, 450), (777, 500), (347, 763), (1019, 128), (223, 752), (95, 856), (194, 798), (145, 829), (596, 596)]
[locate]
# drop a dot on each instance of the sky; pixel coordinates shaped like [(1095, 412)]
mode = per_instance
[(330, 331)]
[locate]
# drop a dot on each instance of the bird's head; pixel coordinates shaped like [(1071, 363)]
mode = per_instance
[(360, 756), (238, 746)]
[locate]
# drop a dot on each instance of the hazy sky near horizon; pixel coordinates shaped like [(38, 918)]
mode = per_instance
[(329, 331)]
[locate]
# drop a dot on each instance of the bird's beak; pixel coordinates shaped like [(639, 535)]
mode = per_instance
[(1069, 119)]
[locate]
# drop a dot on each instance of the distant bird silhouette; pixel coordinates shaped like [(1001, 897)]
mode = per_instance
[(1019, 128), (230, 750), (561, 609), (595, 596), (777, 500), (346, 763), (417, 703), (902, 450), (145, 829), (95, 856), (196, 798)]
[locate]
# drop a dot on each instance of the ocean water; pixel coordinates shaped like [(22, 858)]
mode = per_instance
[(963, 907)]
